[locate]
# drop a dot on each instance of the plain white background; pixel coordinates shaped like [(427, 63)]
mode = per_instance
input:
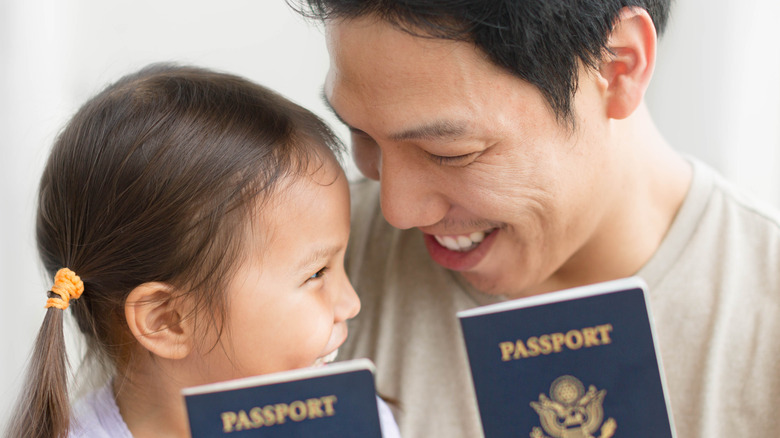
[(715, 95)]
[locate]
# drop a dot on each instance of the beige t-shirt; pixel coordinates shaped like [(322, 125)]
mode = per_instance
[(714, 287)]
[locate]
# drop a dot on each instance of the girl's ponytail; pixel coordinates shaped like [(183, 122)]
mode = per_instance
[(43, 410)]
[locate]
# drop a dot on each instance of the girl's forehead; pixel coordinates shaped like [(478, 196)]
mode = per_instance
[(296, 197)]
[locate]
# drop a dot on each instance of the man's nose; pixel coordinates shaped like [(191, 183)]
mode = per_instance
[(411, 194)]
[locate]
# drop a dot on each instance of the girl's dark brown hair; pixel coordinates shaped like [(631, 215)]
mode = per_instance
[(152, 180)]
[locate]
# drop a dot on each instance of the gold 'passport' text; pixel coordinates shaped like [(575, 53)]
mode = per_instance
[(556, 342), (279, 413)]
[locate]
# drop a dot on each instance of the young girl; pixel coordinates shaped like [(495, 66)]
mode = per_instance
[(197, 225)]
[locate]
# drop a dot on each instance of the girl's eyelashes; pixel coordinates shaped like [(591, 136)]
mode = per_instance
[(318, 274)]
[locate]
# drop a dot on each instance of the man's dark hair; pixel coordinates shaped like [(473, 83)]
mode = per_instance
[(540, 41)]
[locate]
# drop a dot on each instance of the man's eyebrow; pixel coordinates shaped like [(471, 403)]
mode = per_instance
[(431, 131)]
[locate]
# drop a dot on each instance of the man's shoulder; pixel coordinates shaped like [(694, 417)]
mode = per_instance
[(719, 232), (744, 211), (736, 204), (733, 237)]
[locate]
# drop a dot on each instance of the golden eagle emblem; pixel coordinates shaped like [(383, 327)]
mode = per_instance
[(570, 412)]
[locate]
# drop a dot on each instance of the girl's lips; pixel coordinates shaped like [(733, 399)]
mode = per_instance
[(459, 260), (338, 336)]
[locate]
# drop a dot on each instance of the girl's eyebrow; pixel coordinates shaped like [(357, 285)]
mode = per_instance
[(315, 257)]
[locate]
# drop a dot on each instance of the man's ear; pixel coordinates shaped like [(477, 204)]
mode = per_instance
[(154, 315), (628, 69)]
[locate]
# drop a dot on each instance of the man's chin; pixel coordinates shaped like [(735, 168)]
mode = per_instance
[(485, 284)]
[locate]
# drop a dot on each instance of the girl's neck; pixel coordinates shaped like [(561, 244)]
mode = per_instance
[(151, 403)]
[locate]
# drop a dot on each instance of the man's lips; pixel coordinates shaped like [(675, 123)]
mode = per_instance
[(460, 252)]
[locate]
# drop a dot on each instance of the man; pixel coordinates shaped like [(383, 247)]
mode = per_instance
[(515, 156)]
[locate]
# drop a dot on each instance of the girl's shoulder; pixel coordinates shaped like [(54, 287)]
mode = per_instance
[(97, 416), (387, 420)]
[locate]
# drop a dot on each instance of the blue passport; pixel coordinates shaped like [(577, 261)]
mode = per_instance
[(581, 362), (335, 400)]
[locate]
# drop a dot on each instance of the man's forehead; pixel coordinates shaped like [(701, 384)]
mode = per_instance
[(363, 38), (398, 86)]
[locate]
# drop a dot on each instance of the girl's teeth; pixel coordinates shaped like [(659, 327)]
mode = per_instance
[(328, 358)]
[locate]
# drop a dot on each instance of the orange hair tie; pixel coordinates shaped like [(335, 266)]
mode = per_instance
[(67, 285)]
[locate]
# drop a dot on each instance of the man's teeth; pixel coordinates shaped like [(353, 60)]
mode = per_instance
[(461, 242)]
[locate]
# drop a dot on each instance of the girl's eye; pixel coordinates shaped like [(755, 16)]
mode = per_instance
[(318, 274)]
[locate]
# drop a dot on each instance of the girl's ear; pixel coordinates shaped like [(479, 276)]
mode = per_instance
[(154, 315), (628, 69)]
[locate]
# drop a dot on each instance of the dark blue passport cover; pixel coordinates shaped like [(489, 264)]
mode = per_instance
[(577, 363), (336, 400)]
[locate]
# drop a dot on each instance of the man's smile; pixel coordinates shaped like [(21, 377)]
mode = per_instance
[(460, 252), (462, 242)]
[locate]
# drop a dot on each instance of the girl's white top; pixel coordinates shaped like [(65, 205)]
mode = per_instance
[(97, 416)]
